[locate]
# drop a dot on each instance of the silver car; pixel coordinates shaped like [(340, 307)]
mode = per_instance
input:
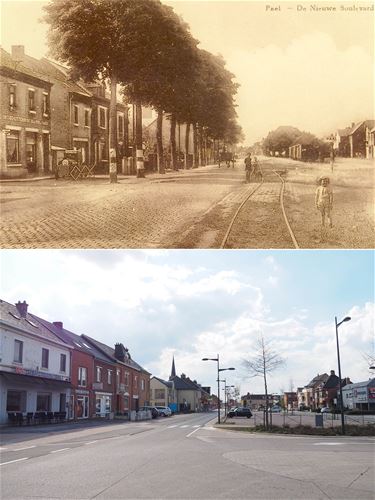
[(164, 410)]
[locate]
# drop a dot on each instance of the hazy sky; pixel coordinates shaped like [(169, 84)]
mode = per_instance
[(313, 70), (195, 304)]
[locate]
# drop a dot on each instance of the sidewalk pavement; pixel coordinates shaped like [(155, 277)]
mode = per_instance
[(148, 175)]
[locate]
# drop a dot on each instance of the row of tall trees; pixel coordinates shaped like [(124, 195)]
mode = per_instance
[(147, 49)]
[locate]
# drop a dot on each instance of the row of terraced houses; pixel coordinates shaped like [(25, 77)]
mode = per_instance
[(49, 371), (44, 113)]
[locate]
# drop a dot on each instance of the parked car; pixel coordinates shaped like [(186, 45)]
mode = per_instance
[(275, 409), (325, 409), (164, 410), (240, 412), (152, 409)]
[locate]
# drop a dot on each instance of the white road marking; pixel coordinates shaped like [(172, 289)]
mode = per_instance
[(171, 426), (92, 442), (12, 461), (195, 426), (183, 426), (195, 430), (3, 449), (328, 444), (58, 451), (25, 448)]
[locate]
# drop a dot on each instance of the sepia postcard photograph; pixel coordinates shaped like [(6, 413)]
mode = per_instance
[(187, 124)]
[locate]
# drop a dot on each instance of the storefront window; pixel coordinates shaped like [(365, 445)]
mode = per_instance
[(13, 147), (16, 401), (43, 402)]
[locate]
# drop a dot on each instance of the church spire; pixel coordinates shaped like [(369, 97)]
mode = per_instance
[(173, 371)]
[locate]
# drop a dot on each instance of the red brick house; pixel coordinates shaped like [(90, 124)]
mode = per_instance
[(132, 382), (330, 389), (93, 393)]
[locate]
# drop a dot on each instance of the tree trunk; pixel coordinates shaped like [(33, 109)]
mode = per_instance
[(187, 143), (195, 146), (159, 141), (173, 142), (113, 132), (138, 141)]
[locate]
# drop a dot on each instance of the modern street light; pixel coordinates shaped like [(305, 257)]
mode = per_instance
[(226, 392), (218, 382), (347, 318)]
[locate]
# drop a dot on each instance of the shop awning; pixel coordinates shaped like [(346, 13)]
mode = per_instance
[(41, 382)]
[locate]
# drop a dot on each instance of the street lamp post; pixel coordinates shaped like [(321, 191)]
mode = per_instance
[(226, 392), (347, 318), (218, 382)]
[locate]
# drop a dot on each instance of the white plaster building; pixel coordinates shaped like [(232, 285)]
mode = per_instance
[(34, 365)]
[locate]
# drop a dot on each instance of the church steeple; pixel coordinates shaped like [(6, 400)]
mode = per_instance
[(173, 371)]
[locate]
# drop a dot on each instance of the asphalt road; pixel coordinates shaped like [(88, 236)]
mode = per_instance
[(184, 457)]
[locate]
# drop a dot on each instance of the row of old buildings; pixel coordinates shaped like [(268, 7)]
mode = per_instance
[(45, 367), (355, 141), (322, 391), (44, 113)]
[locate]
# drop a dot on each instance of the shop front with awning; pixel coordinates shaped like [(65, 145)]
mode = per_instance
[(25, 393)]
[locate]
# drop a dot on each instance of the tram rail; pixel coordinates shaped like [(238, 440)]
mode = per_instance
[(246, 200)]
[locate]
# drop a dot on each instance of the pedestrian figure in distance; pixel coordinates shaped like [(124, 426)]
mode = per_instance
[(324, 202), (332, 159), (248, 167), (258, 176)]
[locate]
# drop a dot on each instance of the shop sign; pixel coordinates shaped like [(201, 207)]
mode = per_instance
[(37, 373)]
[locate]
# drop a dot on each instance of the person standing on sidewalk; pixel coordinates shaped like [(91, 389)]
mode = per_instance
[(324, 201)]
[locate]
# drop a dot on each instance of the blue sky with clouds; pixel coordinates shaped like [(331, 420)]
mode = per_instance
[(193, 304)]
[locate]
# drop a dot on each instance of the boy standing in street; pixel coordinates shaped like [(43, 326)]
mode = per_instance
[(324, 200)]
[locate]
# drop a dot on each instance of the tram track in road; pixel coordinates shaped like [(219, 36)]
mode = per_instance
[(230, 240)]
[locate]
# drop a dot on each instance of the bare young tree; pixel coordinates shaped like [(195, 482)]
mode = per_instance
[(262, 363)]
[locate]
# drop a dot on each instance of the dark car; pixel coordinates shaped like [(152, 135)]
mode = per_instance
[(152, 409), (240, 412)]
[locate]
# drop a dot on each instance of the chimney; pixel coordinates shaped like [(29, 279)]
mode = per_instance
[(353, 124), (18, 52), (332, 372), (58, 324), (120, 352), (22, 308)]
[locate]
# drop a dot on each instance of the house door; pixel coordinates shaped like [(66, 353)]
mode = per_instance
[(82, 407)]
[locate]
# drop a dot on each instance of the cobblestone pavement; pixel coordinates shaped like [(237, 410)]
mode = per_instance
[(135, 213), (186, 209)]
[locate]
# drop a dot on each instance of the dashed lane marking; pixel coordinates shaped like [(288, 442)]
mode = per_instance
[(92, 442), (183, 426), (192, 432), (58, 451), (25, 448), (328, 444), (13, 461)]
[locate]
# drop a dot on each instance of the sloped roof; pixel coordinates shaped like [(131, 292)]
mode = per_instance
[(319, 379), (184, 384), (367, 383), (9, 315), (164, 382), (332, 382), (109, 351), (18, 67), (73, 340)]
